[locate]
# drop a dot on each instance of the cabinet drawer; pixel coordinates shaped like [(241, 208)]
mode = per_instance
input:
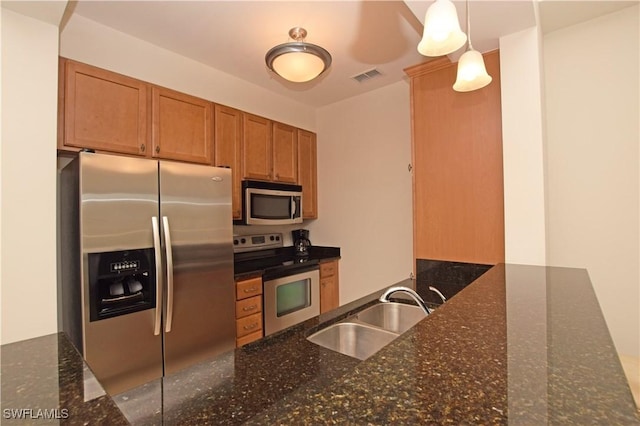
[(248, 338), (248, 306), (248, 325), (248, 288), (328, 269)]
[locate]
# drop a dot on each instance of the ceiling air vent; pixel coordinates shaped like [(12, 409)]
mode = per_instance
[(367, 75)]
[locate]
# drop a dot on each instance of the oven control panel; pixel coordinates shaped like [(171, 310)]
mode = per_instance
[(242, 243)]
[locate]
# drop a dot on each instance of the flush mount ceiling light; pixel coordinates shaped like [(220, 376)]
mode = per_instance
[(298, 61), (472, 74), (442, 34)]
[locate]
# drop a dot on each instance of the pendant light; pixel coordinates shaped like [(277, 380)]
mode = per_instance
[(298, 61), (472, 74), (442, 34)]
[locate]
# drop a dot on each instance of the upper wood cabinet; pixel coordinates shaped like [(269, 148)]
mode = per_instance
[(106, 111), (257, 147), (103, 110), (457, 165), (285, 153), (227, 141), (307, 173), (269, 150), (181, 128)]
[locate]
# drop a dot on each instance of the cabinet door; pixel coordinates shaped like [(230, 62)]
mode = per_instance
[(307, 173), (285, 153), (329, 286), (458, 180), (104, 110), (227, 141), (181, 126), (256, 147)]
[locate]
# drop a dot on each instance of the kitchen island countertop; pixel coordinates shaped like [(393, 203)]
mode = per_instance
[(521, 345)]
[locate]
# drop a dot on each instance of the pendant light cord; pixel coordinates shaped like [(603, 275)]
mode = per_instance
[(470, 47)]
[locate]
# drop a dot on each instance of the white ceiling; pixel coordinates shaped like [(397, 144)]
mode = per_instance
[(233, 36)]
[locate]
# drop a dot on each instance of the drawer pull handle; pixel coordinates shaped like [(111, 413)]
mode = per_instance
[(250, 290), (250, 327), (250, 308)]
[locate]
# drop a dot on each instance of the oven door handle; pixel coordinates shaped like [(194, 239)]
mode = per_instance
[(293, 207)]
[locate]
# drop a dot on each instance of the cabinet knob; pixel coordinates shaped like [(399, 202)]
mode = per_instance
[(158, 149), (142, 148), (277, 176)]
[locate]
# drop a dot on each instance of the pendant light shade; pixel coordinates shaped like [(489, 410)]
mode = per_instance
[(472, 74), (298, 61), (442, 34)]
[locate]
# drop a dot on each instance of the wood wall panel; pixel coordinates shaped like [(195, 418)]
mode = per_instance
[(458, 179)]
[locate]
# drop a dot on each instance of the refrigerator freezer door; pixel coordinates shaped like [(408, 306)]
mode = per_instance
[(195, 206), (118, 198)]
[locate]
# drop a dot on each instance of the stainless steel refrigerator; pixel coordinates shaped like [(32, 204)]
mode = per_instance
[(146, 263)]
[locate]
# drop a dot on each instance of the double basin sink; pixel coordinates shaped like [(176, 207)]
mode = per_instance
[(368, 331)]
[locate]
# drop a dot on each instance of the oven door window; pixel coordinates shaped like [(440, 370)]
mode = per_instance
[(292, 297), (270, 206)]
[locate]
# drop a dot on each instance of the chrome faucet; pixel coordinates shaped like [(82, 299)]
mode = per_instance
[(435, 290), (385, 297)]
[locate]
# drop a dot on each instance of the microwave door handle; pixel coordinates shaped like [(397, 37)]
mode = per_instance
[(158, 255), (293, 207)]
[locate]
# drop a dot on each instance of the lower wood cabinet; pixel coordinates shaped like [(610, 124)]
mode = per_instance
[(329, 286), (248, 311)]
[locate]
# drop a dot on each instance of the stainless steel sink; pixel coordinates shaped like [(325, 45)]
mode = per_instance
[(395, 317), (353, 339)]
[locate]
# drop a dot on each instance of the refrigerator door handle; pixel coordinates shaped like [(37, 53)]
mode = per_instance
[(158, 255), (169, 254)]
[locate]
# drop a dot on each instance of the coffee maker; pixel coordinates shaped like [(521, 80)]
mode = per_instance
[(301, 242)]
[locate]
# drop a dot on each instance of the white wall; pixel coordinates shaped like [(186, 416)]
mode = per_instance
[(522, 146), (95, 44), (593, 161), (364, 187), (28, 174)]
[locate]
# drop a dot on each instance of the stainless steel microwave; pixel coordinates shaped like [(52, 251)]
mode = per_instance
[(268, 203)]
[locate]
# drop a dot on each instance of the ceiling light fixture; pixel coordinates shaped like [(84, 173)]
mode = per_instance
[(297, 60), (472, 74), (442, 34)]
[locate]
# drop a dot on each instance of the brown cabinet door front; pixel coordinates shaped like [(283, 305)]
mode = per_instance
[(227, 141), (285, 153), (307, 173), (181, 128), (104, 110), (256, 147), (458, 179), (329, 286)]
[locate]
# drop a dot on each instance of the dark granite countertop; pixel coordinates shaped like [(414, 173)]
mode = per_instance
[(520, 345), (247, 265), (45, 381)]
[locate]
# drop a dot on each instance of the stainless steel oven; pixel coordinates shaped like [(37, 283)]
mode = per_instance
[(291, 299), (291, 283)]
